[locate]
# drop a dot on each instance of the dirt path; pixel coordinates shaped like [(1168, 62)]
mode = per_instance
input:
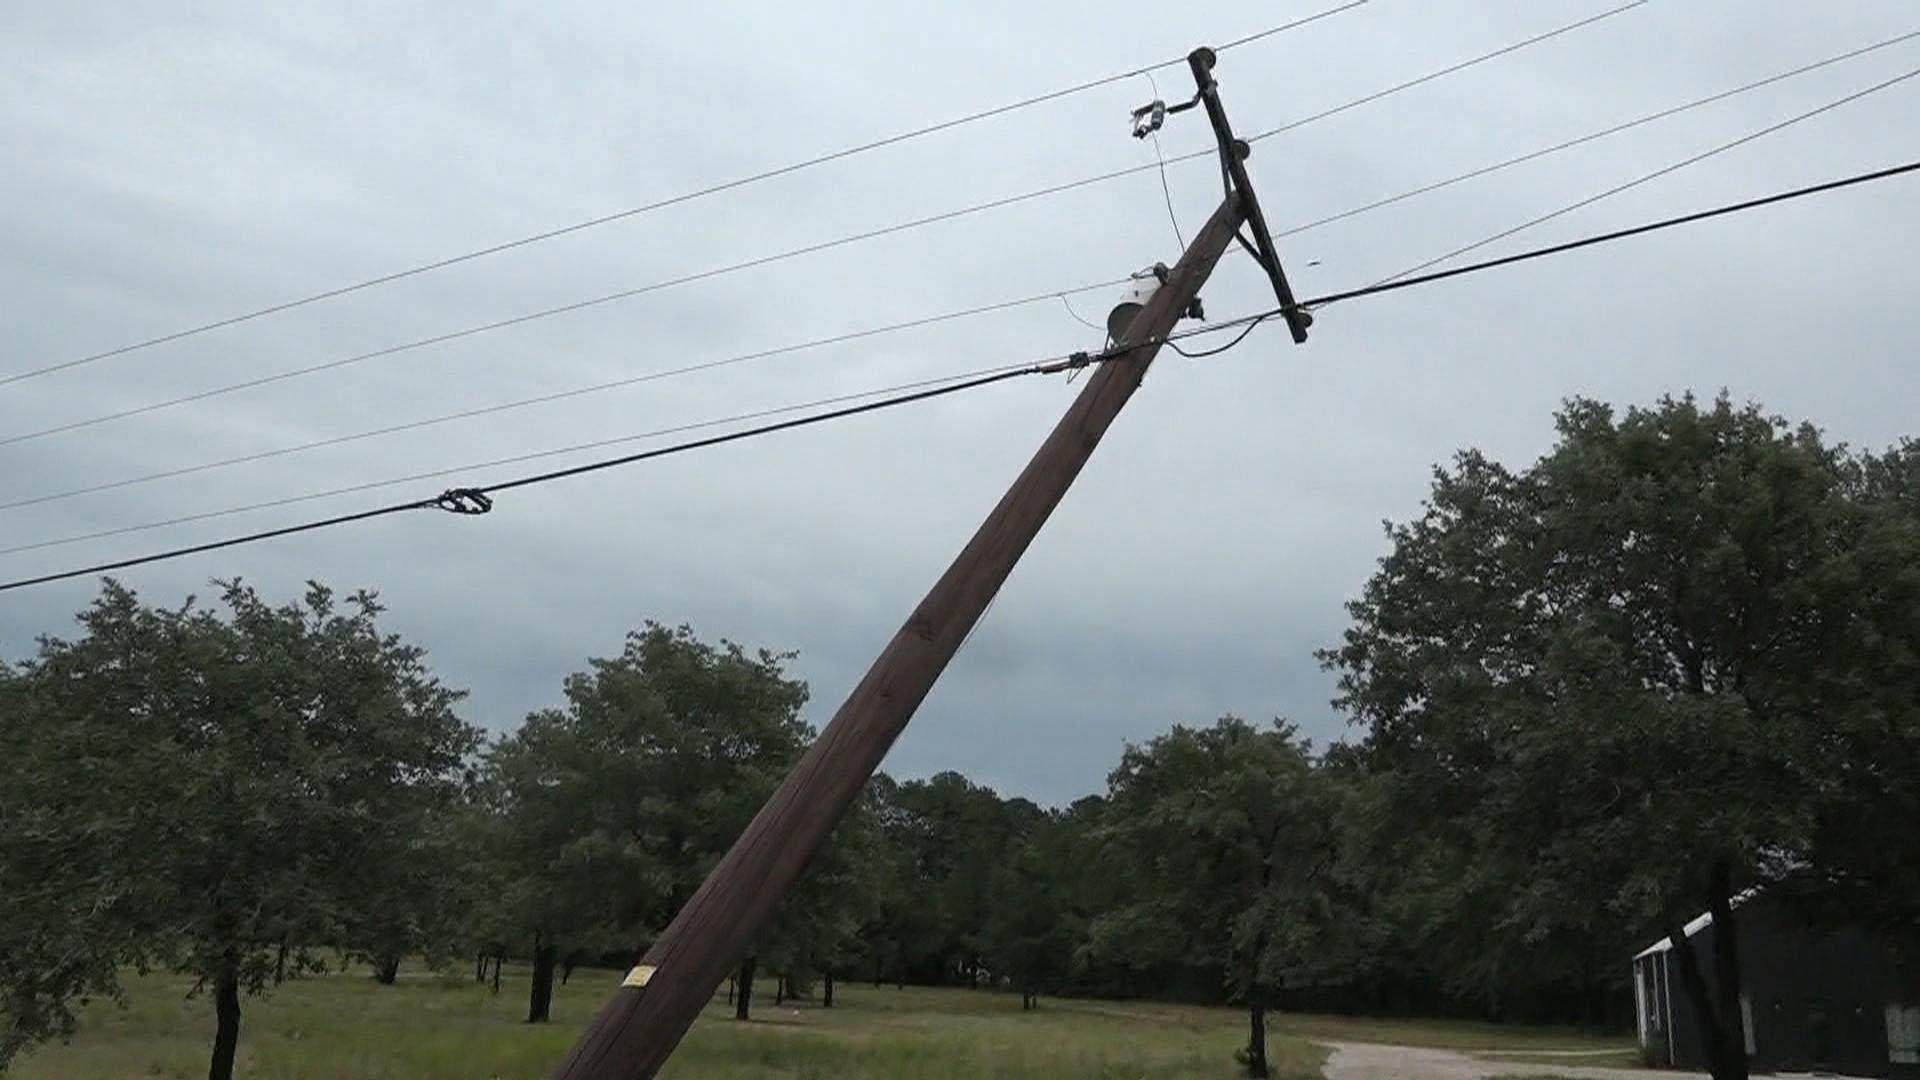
[(1380, 1061)]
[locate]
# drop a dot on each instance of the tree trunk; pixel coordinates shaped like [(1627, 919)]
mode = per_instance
[(280, 962), (1257, 1040), (779, 989), (480, 969), (226, 1011), (540, 1003), (498, 959), (387, 971), (744, 1000), (732, 981), (1726, 976), (566, 969), (973, 973), (826, 991)]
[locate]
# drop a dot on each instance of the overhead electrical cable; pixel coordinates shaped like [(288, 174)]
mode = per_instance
[(1393, 285), (1445, 71), (1547, 151), (1061, 362), (953, 384), (661, 204), (1648, 177), (763, 260), (1290, 231), (558, 395)]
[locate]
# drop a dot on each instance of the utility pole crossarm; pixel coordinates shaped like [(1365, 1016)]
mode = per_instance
[(1233, 158), (636, 1031)]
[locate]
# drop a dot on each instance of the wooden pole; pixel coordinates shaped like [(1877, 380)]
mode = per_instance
[(633, 1034)]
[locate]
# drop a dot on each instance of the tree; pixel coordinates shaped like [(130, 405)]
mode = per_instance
[(817, 929), (228, 775), (1228, 829), (1031, 931), (1863, 866), (74, 912), (902, 928), (613, 808), (1633, 668), (957, 831), (416, 898)]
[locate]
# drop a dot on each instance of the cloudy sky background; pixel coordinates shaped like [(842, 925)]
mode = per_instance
[(165, 168)]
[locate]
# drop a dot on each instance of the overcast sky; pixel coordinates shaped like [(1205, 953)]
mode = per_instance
[(164, 168)]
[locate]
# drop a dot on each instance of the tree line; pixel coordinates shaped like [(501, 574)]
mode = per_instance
[(1676, 657)]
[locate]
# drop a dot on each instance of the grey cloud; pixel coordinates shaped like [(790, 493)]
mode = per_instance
[(161, 173)]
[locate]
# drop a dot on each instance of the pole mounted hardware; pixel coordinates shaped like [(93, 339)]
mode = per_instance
[(1233, 168), (1148, 118), (464, 501)]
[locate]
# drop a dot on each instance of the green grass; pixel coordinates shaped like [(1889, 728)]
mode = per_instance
[(450, 1028), (1464, 1035)]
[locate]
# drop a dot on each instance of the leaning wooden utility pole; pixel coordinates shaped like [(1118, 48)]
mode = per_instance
[(636, 1031)]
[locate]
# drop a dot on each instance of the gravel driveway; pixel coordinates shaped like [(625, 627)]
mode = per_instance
[(1379, 1061)]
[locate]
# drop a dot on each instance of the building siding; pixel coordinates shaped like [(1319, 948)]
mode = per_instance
[(1818, 1000)]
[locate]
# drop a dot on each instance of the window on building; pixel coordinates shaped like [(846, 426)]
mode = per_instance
[(1642, 1007), (1903, 1034)]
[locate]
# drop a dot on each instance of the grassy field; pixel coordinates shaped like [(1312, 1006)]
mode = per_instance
[(449, 1028)]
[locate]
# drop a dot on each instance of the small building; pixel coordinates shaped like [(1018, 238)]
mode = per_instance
[(1812, 999)]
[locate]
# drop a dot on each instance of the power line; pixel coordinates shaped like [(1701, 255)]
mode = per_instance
[(1607, 237), (1448, 70), (518, 320), (837, 339), (1664, 170), (1252, 324), (462, 494), (1581, 140), (1160, 159), (773, 258), (518, 458), (660, 204), (1064, 362), (540, 399), (1291, 231), (994, 374)]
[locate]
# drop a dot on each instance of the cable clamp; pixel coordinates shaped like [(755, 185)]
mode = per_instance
[(464, 501)]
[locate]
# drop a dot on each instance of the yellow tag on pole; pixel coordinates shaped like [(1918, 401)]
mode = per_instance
[(638, 976)]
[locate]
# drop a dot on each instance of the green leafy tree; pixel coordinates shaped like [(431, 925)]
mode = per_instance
[(612, 809), (77, 906), (902, 928), (1227, 829), (818, 929), (1635, 667), (957, 832), (417, 896), (223, 778), (1863, 864), (1031, 928)]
